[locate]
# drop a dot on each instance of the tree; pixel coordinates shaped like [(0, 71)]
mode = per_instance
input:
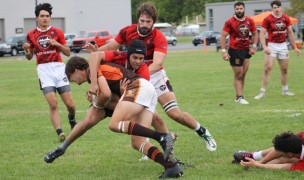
[(297, 7), (173, 11)]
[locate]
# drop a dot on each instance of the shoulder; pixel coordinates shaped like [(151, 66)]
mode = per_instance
[(56, 29), (128, 28)]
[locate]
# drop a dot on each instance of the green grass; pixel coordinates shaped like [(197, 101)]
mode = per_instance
[(201, 81)]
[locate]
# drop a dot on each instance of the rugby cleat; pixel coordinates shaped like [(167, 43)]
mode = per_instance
[(173, 172), (51, 156), (209, 141), (241, 156)]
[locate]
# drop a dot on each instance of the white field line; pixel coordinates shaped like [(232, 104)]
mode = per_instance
[(284, 110)]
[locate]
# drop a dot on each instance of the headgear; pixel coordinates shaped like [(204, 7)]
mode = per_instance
[(136, 46)]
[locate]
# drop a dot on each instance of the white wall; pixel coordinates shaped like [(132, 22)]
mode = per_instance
[(78, 15), (223, 11)]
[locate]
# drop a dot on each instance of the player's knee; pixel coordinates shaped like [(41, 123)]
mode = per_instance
[(175, 113), (135, 145), (90, 123), (114, 127), (53, 106), (284, 70), (268, 68), (238, 75)]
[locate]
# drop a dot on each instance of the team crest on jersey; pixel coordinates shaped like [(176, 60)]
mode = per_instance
[(44, 41), (162, 87), (65, 79), (279, 25), (243, 29)]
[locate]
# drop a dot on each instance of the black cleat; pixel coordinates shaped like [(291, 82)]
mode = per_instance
[(240, 156), (51, 156), (166, 143), (173, 172)]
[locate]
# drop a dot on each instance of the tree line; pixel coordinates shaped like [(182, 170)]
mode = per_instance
[(173, 11)]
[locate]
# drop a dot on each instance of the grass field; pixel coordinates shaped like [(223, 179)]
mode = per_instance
[(201, 80)]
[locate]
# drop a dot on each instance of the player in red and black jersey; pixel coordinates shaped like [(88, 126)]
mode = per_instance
[(156, 44), (46, 42), (239, 28), (278, 26)]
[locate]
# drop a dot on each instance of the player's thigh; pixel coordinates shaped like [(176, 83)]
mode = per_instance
[(67, 98), (269, 60), (51, 99), (144, 118), (125, 111)]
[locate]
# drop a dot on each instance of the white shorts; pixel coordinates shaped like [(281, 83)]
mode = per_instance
[(141, 92), (160, 82), (278, 50), (52, 74)]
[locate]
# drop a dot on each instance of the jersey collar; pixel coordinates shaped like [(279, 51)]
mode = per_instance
[(48, 28), (276, 15), (243, 19)]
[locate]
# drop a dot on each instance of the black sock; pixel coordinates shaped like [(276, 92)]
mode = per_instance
[(238, 97), (71, 118), (201, 131), (59, 131)]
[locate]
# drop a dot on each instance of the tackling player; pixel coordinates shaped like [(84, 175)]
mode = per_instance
[(156, 44)]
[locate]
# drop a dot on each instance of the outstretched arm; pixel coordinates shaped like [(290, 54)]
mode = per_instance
[(253, 163)]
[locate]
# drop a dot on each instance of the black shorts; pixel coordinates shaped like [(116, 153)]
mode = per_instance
[(237, 57)]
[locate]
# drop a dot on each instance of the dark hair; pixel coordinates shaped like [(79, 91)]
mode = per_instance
[(278, 3), (239, 4), (74, 63), (147, 9), (45, 6), (288, 142)]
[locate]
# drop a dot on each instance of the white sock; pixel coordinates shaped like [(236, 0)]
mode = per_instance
[(257, 155), (263, 90), (285, 88), (198, 126)]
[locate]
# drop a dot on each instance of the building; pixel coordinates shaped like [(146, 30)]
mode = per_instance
[(72, 16), (218, 13)]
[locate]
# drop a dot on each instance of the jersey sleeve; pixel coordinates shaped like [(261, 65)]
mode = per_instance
[(121, 36), (253, 27), (161, 44), (288, 23), (226, 27), (265, 23), (61, 38), (29, 40)]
